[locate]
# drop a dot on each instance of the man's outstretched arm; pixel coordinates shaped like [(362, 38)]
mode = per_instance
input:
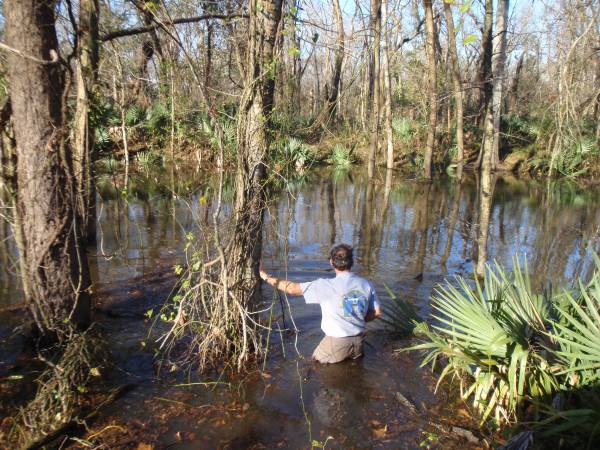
[(289, 287)]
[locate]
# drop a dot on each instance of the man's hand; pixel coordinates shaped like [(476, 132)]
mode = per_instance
[(373, 314), (263, 275)]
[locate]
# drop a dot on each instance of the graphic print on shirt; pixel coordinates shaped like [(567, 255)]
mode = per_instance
[(355, 304)]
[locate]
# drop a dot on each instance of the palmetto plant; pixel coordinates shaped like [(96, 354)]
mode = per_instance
[(341, 156), (292, 153), (511, 347), (403, 129), (494, 337), (578, 333)]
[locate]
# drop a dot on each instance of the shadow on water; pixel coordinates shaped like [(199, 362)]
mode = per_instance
[(408, 236)]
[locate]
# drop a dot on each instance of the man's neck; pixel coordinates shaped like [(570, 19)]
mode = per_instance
[(341, 272)]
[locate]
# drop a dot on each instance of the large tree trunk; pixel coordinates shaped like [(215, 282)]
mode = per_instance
[(253, 137), (387, 86), (458, 92), (55, 271), (374, 85), (491, 141), (86, 71), (432, 76)]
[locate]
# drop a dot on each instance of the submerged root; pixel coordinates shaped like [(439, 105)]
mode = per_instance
[(61, 386)]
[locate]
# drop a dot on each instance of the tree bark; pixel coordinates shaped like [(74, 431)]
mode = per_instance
[(55, 270), (387, 80), (458, 91), (253, 138), (432, 87), (491, 141), (499, 72), (328, 112), (374, 86), (86, 71), (150, 47), (486, 197), (513, 96), (484, 74)]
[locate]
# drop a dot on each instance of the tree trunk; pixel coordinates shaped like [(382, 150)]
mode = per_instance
[(486, 197), (513, 96), (150, 47), (86, 71), (55, 270), (484, 75), (458, 91), (432, 75), (253, 138), (387, 80), (374, 86), (491, 141), (328, 111)]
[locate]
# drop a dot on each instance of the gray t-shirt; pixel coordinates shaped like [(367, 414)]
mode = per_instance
[(345, 301)]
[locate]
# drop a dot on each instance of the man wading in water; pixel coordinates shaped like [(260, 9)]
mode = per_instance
[(347, 303)]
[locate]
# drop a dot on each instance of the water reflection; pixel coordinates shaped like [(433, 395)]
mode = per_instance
[(407, 234)]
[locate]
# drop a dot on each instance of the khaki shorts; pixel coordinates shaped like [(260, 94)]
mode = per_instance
[(335, 349)]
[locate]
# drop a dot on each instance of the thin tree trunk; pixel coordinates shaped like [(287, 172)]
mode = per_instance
[(84, 133), (499, 71), (387, 79), (54, 271), (374, 85), (433, 103), (458, 92), (513, 96)]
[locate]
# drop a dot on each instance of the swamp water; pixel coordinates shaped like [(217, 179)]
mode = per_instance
[(408, 237)]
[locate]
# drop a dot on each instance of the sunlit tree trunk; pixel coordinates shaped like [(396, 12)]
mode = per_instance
[(458, 92), (54, 271), (486, 196), (491, 141), (387, 87), (253, 137), (432, 89), (374, 86), (86, 71)]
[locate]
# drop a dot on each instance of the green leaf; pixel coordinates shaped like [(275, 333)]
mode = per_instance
[(465, 7), (469, 39)]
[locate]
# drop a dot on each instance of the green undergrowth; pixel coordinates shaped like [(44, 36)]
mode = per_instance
[(527, 359)]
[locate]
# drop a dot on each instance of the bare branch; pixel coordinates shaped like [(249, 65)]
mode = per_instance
[(141, 30)]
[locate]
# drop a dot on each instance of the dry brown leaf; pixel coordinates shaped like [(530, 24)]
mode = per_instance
[(144, 446)]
